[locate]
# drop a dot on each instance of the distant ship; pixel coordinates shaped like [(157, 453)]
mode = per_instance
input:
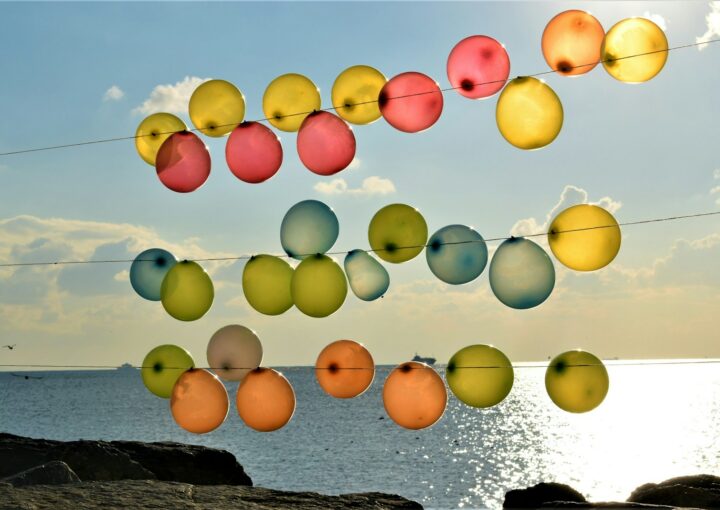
[(429, 361), (126, 367)]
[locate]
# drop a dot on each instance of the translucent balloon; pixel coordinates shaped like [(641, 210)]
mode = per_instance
[(183, 162), (397, 233), (480, 375), (411, 102), (521, 274), (414, 395), (478, 67), (577, 381), (529, 114), (163, 366), (571, 42), (233, 351), (325, 143), (216, 107), (153, 131), (199, 402), (309, 227), (318, 286), (288, 99), (148, 271), (266, 284), (368, 279), (344, 369), (253, 152), (634, 36), (265, 400), (187, 291), (584, 250), (355, 94), (456, 254)]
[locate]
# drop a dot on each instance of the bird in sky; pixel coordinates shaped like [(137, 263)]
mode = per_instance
[(11, 347)]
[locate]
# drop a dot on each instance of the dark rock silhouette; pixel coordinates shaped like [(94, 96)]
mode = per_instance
[(699, 491), (537, 495), (53, 473)]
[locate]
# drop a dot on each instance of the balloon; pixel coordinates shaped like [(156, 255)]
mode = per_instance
[(265, 400), (571, 42), (216, 107), (187, 291), (368, 279), (162, 367), (478, 67), (577, 381), (521, 274), (199, 401), (397, 233), (529, 114), (355, 94), (344, 369), (148, 271), (309, 227), (325, 143), (584, 250), (414, 395), (266, 284), (634, 36), (153, 131), (233, 351), (253, 152), (183, 162), (289, 99), (480, 375), (456, 254), (411, 102), (318, 286)]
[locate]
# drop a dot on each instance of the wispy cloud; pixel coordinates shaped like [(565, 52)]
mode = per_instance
[(712, 21), (370, 186), (355, 163), (170, 98), (114, 93), (716, 190), (657, 19)]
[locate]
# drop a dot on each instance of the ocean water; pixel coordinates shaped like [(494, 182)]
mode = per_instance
[(657, 422)]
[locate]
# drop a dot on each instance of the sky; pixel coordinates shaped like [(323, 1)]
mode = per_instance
[(84, 71)]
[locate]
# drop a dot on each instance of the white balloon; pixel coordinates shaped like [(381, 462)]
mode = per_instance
[(233, 351)]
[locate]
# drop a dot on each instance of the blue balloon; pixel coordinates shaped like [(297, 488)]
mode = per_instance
[(148, 271), (456, 254), (521, 273), (308, 228), (368, 278)]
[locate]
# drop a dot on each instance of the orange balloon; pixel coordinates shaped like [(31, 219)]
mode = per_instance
[(344, 369), (414, 395), (265, 400), (199, 402), (571, 42)]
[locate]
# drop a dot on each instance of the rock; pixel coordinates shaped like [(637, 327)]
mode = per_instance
[(699, 491), (535, 496), (53, 473)]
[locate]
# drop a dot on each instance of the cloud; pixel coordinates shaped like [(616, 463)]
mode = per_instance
[(712, 21), (370, 186), (114, 93), (170, 98), (657, 19), (354, 164)]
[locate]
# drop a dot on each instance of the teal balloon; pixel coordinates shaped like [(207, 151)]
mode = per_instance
[(456, 254), (148, 271), (368, 278), (308, 228), (521, 274)]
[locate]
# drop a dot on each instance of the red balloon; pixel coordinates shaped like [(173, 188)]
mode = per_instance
[(478, 66), (411, 102), (325, 143), (253, 152), (183, 162)]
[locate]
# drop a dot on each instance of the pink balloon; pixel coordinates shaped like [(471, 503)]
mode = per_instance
[(183, 162), (325, 143), (411, 102), (476, 60), (253, 152)]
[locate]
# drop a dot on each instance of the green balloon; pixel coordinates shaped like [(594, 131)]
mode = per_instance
[(318, 286), (187, 291), (266, 284), (577, 381), (163, 366), (397, 233), (480, 375)]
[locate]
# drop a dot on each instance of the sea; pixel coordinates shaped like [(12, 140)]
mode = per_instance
[(657, 422)]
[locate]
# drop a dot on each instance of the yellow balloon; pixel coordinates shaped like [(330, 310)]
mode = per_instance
[(480, 375), (318, 286), (634, 36), (397, 233), (584, 250), (163, 366), (577, 381), (153, 131), (266, 284), (289, 99), (529, 114), (187, 291), (353, 87), (216, 107)]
